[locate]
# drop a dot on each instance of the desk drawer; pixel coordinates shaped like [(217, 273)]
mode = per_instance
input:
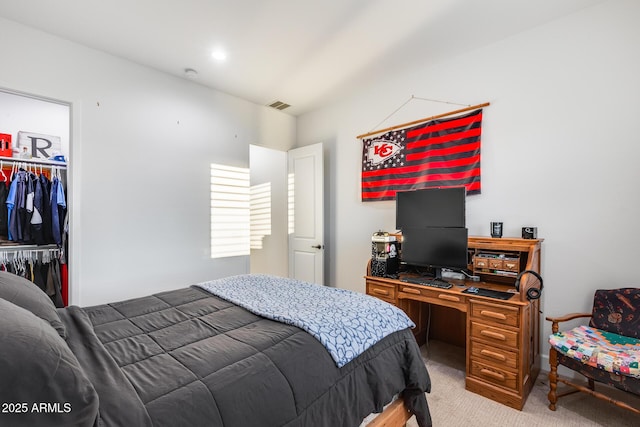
[(494, 355), (502, 314), (435, 296), (493, 375), (494, 335), (480, 263), (382, 291), (512, 265), (495, 264)]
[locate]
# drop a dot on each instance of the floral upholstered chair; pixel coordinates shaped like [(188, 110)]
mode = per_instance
[(606, 351)]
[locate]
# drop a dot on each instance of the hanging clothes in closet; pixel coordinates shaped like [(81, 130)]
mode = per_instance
[(33, 210), (35, 207), (42, 267)]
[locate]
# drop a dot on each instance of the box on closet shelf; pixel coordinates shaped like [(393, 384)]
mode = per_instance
[(38, 146), (5, 145)]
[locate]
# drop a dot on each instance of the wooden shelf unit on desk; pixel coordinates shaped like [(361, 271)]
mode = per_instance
[(501, 337)]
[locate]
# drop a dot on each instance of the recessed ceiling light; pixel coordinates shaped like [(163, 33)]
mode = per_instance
[(219, 54)]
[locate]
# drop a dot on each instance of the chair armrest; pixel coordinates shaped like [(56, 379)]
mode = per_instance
[(567, 317), (556, 320)]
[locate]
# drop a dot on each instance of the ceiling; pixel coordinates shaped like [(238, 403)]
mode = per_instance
[(300, 52)]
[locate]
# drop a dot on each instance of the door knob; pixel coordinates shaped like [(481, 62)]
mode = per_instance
[(317, 246)]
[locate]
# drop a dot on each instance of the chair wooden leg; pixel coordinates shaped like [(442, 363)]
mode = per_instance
[(553, 378)]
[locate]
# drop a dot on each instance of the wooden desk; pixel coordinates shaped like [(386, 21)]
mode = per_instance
[(501, 337)]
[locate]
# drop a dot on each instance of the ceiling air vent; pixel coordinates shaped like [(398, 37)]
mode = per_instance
[(279, 105)]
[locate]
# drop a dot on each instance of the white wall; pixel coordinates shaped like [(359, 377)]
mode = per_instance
[(270, 166), (560, 149), (141, 145)]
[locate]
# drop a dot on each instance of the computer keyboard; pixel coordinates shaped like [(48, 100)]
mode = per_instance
[(434, 283)]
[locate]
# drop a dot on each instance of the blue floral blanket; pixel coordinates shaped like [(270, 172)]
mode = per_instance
[(345, 322)]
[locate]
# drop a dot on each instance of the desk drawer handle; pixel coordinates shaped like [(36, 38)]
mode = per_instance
[(493, 315), (493, 335), (495, 375), (494, 355), (449, 297), (411, 291), (380, 292)]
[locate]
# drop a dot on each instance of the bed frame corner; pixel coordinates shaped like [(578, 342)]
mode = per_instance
[(394, 415)]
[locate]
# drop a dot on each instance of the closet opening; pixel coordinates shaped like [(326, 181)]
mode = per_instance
[(35, 135)]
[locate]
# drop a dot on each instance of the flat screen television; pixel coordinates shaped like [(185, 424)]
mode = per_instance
[(431, 207), (435, 248)]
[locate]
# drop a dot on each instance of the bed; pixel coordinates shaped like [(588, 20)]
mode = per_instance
[(190, 357)]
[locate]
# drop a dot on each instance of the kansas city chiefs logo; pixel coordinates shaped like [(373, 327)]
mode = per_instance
[(382, 150)]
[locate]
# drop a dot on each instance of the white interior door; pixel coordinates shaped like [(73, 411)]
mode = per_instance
[(306, 213)]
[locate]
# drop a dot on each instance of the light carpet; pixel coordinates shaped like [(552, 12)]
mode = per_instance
[(452, 405)]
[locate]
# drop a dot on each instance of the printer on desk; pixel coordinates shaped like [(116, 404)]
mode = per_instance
[(384, 254)]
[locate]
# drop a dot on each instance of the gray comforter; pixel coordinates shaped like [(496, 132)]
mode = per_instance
[(188, 358)]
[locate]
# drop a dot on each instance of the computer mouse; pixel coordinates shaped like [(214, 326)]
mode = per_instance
[(472, 290)]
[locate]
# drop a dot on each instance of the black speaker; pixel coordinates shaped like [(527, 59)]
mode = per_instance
[(529, 232)]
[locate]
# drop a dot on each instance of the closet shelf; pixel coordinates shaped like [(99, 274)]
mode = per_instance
[(34, 161), (6, 247)]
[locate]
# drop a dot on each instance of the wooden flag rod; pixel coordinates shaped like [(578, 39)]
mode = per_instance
[(415, 122)]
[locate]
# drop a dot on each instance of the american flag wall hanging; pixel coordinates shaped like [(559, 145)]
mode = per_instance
[(438, 153)]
